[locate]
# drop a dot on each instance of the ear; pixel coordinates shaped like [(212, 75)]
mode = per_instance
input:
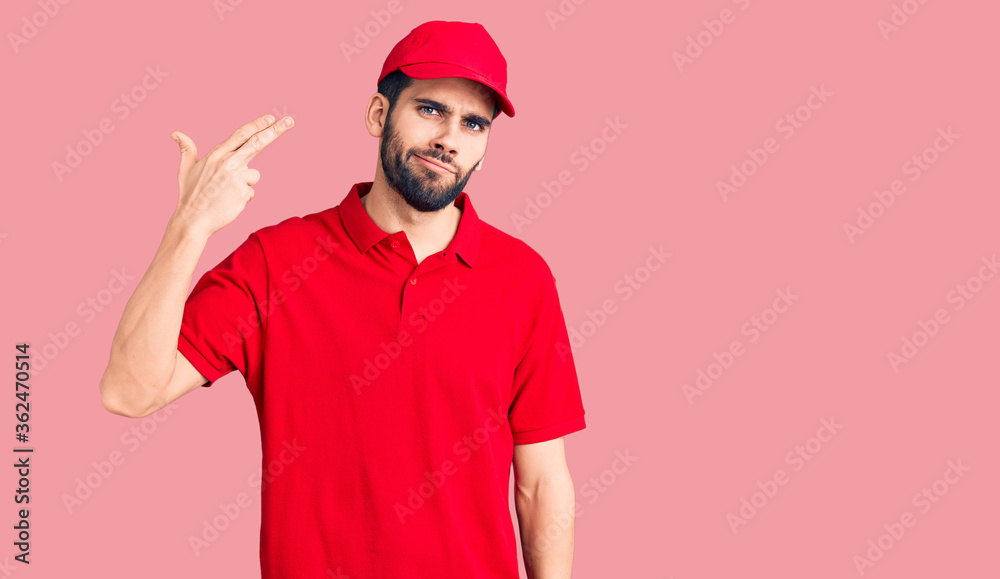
[(375, 114), (479, 165)]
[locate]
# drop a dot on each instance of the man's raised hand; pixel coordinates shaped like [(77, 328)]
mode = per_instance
[(215, 189)]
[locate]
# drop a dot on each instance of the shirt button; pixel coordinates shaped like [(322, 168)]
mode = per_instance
[(413, 281), (394, 244)]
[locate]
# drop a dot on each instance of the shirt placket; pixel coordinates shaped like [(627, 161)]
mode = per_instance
[(413, 275)]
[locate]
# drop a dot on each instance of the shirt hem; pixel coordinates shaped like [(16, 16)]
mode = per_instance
[(550, 432), (198, 360)]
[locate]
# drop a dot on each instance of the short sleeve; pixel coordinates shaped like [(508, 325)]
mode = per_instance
[(546, 403), (224, 319)]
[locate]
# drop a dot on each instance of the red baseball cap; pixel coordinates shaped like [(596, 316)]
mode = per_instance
[(439, 49)]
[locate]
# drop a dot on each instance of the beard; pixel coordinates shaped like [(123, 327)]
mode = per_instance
[(424, 189)]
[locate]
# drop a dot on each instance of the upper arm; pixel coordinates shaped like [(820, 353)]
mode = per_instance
[(540, 462)]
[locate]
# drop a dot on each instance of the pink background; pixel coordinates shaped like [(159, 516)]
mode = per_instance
[(666, 514)]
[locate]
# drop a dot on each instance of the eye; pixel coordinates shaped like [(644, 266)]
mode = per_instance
[(473, 125)]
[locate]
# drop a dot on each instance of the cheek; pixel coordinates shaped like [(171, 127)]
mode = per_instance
[(475, 153)]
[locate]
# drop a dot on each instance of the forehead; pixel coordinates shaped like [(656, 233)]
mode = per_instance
[(460, 93)]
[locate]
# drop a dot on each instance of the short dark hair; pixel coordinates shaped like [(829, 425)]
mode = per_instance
[(396, 82)]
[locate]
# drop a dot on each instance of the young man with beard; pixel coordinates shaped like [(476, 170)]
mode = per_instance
[(402, 354)]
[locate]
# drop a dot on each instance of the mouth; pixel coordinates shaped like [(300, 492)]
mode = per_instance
[(434, 166)]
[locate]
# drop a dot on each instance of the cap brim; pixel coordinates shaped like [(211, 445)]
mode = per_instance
[(426, 70)]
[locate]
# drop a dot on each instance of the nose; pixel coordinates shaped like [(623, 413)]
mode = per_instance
[(445, 140)]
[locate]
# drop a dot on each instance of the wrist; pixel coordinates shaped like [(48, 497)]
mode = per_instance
[(185, 230)]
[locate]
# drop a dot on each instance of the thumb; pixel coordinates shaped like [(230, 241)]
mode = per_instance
[(189, 153)]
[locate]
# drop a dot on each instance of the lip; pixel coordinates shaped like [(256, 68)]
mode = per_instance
[(433, 165)]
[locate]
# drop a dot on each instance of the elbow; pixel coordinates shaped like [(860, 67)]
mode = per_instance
[(114, 403), (556, 487), (525, 491)]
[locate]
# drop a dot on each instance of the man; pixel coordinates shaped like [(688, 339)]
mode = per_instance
[(401, 353)]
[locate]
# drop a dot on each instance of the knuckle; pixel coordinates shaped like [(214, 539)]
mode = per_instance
[(214, 155), (215, 183)]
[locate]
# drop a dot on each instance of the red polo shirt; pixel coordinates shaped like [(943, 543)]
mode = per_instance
[(389, 393)]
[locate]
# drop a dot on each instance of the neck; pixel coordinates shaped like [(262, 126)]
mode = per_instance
[(427, 231)]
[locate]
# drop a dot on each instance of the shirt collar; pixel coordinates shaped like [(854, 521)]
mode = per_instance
[(364, 233)]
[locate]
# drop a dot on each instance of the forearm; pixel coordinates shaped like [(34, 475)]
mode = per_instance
[(546, 517), (144, 347)]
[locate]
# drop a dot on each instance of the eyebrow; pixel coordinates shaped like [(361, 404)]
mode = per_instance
[(447, 110)]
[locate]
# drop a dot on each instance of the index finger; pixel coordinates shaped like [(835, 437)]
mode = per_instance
[(261, 139), (242, 134)]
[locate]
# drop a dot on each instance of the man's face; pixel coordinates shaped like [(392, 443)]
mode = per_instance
[(445, 121)]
